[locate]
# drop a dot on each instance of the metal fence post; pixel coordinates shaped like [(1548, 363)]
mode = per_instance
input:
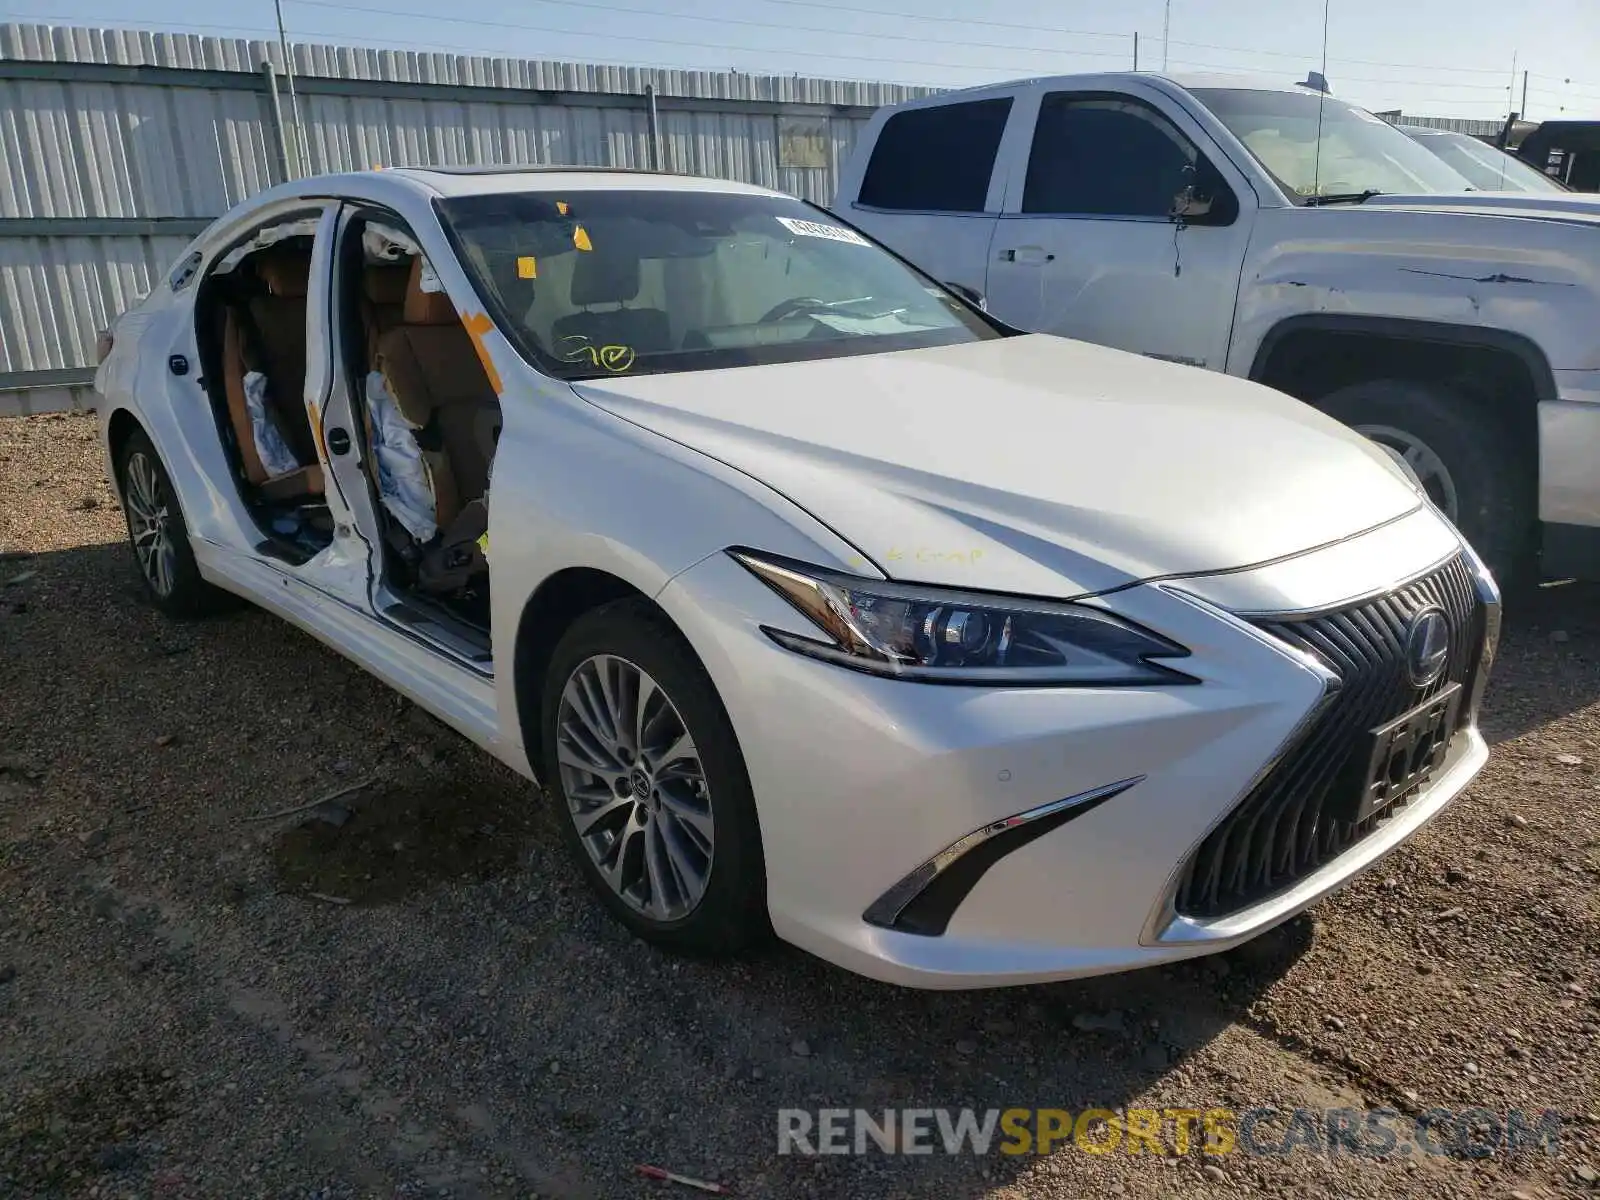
[(655, 127), (276, 109)]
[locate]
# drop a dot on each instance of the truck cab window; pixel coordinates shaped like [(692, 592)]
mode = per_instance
[(1102, 156), (936, 159)]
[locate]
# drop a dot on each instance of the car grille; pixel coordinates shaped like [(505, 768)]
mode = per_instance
[(1288, 825)]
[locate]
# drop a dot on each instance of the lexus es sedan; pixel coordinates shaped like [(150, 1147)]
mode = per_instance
[(820, 603)]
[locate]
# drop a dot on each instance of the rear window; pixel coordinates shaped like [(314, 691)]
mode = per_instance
[(936, 159)]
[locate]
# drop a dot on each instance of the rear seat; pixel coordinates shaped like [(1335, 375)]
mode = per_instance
[(268, 334), (436, 378), (383, 297)]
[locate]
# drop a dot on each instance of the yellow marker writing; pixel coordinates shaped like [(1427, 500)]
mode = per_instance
[(612, 358)]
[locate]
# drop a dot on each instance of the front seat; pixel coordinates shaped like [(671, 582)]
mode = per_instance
[(267, 334), (435, 376), (610, 277)]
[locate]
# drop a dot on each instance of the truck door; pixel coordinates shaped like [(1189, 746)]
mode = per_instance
[(1087, 246), (930, 190)]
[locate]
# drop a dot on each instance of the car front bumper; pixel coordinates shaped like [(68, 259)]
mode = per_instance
[(862, 782)]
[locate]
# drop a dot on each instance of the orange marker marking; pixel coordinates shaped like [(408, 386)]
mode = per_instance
[(478, 324)]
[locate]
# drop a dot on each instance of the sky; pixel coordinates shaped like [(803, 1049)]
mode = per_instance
[(1461, 58)]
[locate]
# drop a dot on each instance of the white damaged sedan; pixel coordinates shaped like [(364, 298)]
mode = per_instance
[(821, 603)]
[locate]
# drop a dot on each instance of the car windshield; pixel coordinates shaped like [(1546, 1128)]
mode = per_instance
[(1359, 153), (591, 284), (1487, 168)]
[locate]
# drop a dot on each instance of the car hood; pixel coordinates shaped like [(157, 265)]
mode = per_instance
[(1030, 464), (1573, 206)]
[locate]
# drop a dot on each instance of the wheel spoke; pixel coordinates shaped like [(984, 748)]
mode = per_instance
[(660, 904), (164, 565), (596, 737), (680, 750), (690, 878), (613, 859), (687, 814), (595, 708), (573, 749), (644, 697), (606, 673), (606, 810)]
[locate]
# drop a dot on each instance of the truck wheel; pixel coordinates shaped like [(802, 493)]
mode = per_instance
[(1464, 456)]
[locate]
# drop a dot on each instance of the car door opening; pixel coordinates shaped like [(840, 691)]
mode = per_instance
[(431, 419), (250, 319)]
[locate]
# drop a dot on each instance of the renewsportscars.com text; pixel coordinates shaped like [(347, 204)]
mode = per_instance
[(1373, 1133)]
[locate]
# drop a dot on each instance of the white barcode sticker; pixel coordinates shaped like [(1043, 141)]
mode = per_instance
[(817, 229)]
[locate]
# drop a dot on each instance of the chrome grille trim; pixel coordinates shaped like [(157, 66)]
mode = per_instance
[(1284, 828)]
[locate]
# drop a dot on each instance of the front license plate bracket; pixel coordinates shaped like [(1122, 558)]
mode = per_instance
[(1406, 751)]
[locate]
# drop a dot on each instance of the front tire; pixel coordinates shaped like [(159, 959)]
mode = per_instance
[(1464, 454), (158, 534), (655, 802)]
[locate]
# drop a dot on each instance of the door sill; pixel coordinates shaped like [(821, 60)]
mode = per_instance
[(432, 624)]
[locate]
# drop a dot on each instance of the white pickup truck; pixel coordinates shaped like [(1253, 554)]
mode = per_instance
[(1287, 237)]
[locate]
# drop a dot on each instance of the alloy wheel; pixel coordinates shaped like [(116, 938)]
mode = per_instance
[(150, 523), (1420, 462), (635, 787)]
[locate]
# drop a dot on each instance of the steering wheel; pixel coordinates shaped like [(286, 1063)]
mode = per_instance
[(791, 307)]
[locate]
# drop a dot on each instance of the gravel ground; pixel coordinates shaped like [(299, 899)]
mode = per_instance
[(409, 993)]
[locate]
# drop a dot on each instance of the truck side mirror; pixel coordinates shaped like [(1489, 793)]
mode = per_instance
[(1189, 204)]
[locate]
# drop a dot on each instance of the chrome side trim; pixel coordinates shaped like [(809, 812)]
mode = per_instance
[(976, 852), (1489, 593)]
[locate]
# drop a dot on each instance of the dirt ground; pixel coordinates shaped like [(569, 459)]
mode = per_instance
[(409, 993)]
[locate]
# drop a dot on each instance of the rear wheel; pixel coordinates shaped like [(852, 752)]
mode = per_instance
[(158, 535), (1462, 453), (656, 803)]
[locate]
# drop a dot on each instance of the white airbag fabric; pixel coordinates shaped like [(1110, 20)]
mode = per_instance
[(271, 448), (404, 485)]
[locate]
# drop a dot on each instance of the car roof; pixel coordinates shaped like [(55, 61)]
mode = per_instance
[(1187, 80), (519, 177)]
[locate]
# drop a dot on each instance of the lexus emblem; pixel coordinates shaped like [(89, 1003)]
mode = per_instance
[(1427, 645)]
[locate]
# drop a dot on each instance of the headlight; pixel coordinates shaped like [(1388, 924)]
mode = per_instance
[(938, 636)]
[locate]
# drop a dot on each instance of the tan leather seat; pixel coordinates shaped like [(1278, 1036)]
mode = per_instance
[(611, 277), (268, 334), (383, 298), (436, 378)]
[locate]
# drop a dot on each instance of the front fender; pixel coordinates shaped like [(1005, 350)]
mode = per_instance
[(574, 486), (1536, 280)]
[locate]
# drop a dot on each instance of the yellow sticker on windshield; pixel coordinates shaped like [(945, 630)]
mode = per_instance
[(527, 267), (561, 207), (483, 545), (580, 238)]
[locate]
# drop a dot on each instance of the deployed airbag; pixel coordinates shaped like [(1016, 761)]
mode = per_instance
[(271, 447), (404, 485)]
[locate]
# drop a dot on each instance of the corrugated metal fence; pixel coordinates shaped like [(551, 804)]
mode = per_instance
[(117, 146)]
